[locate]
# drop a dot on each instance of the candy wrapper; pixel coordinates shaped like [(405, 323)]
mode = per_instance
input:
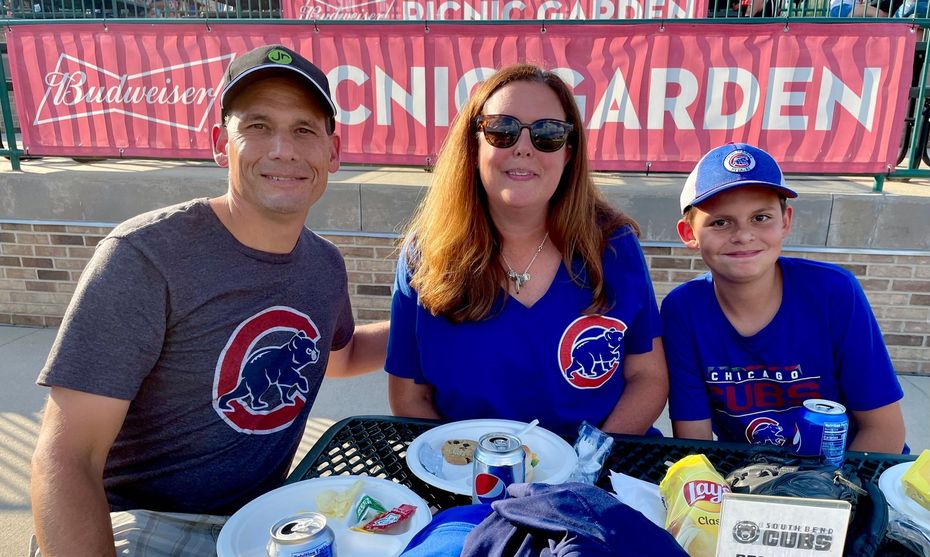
[(693, 491), (394, 521), (593, 448)]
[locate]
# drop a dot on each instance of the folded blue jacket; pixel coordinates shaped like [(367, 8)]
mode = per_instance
[(568, 520)]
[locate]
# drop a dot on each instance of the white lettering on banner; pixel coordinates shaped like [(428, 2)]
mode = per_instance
[(615, 95), (69, 88), (780, 96), (349, 116), (362, 11), (835, 91), (677, 105), (674, 91), (386, 90), (573, 79), (717, 80), (484, 10)]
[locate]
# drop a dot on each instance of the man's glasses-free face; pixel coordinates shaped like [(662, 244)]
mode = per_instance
[(502, 131)]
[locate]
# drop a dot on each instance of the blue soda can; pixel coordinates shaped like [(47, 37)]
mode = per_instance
[(301, 535), (498, 463), (821, 429)]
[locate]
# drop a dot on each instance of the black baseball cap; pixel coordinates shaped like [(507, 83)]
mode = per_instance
[(266, 61)]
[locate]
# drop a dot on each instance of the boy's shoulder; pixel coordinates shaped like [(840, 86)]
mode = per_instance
[(811, 274)]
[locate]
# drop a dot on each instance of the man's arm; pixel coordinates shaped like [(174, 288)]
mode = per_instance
[(880, 430), (693, 429), (69, 506), (410, 399), (365, 351), (644, 395)]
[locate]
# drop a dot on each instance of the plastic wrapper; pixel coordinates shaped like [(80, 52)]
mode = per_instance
[(908, 533), (593, 448), (396, 520), (693, 491), (366, 508)]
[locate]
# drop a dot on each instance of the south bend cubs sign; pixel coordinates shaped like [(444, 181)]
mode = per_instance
[(591, 350), (260, 384)]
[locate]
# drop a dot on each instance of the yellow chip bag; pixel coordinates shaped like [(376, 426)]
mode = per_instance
[(692, 491)]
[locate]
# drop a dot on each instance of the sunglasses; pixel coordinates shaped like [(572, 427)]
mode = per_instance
[(502, 131)]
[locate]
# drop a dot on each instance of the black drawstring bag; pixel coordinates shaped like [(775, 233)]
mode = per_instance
[(771, 473)]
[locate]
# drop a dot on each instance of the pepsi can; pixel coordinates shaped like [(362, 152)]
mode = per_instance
[(821, 429), (498, 463), (301, 535)]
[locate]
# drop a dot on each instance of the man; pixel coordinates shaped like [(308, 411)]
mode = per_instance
[(753, 339), (195, 344)]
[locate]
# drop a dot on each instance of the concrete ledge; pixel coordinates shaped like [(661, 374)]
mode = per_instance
[(831, 212)]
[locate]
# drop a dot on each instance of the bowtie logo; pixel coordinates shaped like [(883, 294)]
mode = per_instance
[(180, 96)]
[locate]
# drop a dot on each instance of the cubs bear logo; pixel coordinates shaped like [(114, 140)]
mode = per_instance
[(765, 431), (591, 350), (258, 384)]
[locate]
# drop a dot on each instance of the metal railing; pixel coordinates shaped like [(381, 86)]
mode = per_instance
[(165, 9)]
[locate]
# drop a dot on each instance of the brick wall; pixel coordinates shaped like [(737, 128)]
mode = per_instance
[(40, 264)]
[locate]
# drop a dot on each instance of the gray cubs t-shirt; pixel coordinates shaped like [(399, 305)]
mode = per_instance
[(220, 348)]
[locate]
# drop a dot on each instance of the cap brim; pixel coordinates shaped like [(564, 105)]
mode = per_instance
[(252, 75)]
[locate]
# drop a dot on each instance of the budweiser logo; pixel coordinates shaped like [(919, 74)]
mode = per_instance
[(702, 490), (370, 10), (77, 88)]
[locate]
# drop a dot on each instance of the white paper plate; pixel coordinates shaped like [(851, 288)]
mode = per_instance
[(556, 457), (890, 484), (247, 532)]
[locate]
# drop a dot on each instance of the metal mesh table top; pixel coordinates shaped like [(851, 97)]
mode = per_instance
[(377, 445)]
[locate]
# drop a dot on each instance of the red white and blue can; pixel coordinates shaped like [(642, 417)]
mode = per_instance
[(821, 429), (498, 463), (301, 535)]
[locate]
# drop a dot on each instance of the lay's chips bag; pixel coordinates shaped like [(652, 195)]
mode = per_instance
[(692, 491)]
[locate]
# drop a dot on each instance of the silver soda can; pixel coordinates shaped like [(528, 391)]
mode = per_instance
[(822, 427), (498, 463), (301, 535)]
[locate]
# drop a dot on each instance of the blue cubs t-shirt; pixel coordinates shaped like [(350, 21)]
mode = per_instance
[(823, 342), (548, 361)]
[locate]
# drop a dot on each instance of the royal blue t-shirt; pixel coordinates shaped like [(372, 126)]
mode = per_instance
[(823, 342), (548, 361)]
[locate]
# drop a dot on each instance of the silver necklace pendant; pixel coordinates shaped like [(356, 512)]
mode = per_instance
[(518, 279), (522, 278)]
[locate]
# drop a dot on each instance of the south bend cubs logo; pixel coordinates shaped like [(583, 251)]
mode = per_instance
[(739, 161), (591, 350), (765, 431), (258, 385)]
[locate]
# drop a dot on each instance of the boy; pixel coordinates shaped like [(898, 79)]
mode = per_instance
[(748, 342)]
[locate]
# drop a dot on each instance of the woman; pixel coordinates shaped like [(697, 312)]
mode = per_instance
[(520, 293)]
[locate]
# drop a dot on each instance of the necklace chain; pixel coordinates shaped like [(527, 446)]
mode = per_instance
[(519, 279)]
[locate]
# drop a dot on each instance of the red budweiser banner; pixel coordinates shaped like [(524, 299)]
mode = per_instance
[(491, 10), (821, 97)]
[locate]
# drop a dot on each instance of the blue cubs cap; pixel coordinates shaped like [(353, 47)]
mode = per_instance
[(729, 166)]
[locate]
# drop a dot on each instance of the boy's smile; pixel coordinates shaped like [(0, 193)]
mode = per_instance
[(739, 233)]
